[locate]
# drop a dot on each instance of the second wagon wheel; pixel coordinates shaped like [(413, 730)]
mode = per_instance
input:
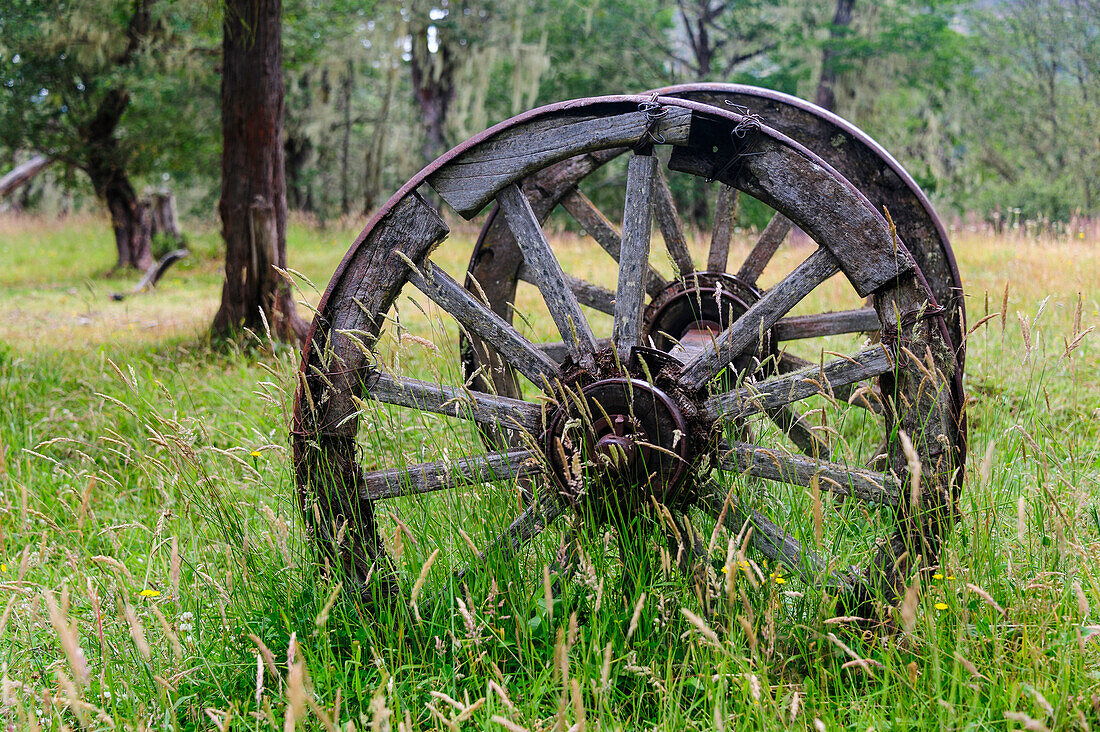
[(682, 412)]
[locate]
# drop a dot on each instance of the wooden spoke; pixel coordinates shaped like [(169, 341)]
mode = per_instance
[(763, 314), (482, 322), (496, 411), (773, 235), (789, 363), (448, 474), (799, 431), (634, 256), (604, 232), (725, 215), (593, 221), (672, 230), (548, 275), (587, 293), (780, 390), (770, 539), (796, 327), (866, 485), (529, 524)]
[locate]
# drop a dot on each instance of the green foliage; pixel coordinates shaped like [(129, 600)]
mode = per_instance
[(987, 105), (64, 65), (127, 466), (1033, 96)]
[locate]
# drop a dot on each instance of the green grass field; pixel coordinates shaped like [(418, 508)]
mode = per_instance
[(154, 571)]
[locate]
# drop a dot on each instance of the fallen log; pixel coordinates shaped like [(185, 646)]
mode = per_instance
[(154, 274), (22, 173)]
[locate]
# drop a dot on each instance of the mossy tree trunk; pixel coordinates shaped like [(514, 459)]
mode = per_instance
[(253, 199)]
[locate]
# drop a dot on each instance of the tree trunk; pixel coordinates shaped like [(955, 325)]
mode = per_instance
[(372, 177), (129, 217), (826, 85), (132, 223), (433, 85), (105, 169), (298, 149), (253, 200), (345, 147), (164, 221)]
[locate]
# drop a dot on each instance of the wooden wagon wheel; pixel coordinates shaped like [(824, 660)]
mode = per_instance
[(620, 426)]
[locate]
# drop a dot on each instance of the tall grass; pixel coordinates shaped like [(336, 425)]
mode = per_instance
[(154, 570)]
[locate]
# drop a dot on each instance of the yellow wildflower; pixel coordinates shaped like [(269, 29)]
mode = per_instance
[(950, 576), (149, 593), (256, 453), (941, 605), (3, 568), (937, 576), (780, 581), (725, 571)]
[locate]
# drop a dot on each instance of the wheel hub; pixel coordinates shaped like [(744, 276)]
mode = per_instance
[(688, 314), (619, 441)]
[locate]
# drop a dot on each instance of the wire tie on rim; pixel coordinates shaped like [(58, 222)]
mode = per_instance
[(654, 112), (743, 138)]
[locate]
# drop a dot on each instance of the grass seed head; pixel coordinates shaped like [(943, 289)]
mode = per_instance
[(66, 633)]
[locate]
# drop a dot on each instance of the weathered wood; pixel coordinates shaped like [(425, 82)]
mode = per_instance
[(592, 221), (22, 173), (799, 185), (817, 325), (448, 474), (725, 215), (672, 229), (354, 310), (587, 293), (923, 405), (866, 485), (788, 363), (603, 231), (548, 276), (488, 409), (626, 330), (337, 513), (799, 431), (482, 322), (764, 249), (763, 314), (777, 391), (470, 180), (770, 539)]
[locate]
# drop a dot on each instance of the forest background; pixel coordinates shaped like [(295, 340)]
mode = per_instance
[(994, 107)]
